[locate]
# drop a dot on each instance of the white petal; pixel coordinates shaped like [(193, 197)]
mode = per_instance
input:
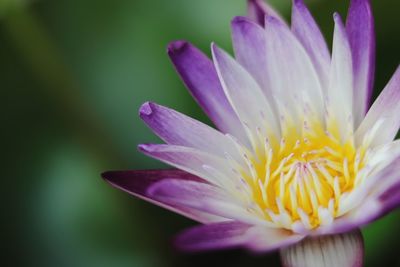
[(291, 73), (245, 95), (193, 161), (306, 30), (203, 197), (340, 93), (386, 109)]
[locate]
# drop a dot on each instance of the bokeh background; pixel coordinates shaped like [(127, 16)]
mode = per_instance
[(73, 75)]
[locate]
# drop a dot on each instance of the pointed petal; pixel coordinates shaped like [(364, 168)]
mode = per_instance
[(138, 182), (361, 32), (265, 239), (340, 94), (258, 9), (385, 109), (249, 42), (371, 209), (203, 197), (177, 129), (213, 236), (307, 31), (198, 73), (326, 251), (291, 74), (233, 234), (383, 197), (192, 161), (390, 198), (244, 94)]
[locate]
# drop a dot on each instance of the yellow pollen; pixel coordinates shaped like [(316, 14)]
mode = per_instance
[(303, 179)]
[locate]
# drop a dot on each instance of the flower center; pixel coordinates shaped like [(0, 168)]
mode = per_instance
[(303, 179)]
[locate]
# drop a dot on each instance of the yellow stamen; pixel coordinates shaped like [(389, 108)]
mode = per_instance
[(303, 177)]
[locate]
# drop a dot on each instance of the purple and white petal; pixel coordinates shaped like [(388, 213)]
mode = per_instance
[(211, 168), (390, 198), (388, 177), (307, 31), (373, 198), (258, 9), (361, 32), (203, 197), (371, 210), (291, 74), (223, 235), (382, 118), (233, 235), (245, 96), (178, 129), (249, 42), (138, 182), (264, 239), (340, 94), (376, 207), (198, 73)]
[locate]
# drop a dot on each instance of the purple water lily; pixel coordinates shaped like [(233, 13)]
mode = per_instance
[(300, 160)]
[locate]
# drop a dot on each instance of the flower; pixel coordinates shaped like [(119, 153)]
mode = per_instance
[(298, 153)]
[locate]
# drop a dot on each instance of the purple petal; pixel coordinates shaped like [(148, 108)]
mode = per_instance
[(386, 109), (258, 9), (385, 194), (203, 197), (138, 182), (189, 160), (390, 198), (307, 31), (369, 211), (213, 236), (198, 73), (262, 239), (360, 28), (233, 234), (177, 129), (249, 43), (244, 94)]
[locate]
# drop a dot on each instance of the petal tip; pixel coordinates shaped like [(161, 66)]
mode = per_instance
[(144, 148), (240, 19), (337, 17), (217, 52), (146, 109), (106, 175), (242, 22), (110, 177), (299, 4), (176, 47), (256, 3), (214, 49), (272, 20)]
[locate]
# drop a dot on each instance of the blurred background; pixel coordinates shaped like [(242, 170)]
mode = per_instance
[(73, 75)]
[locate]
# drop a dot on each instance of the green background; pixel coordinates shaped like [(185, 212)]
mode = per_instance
[(73, 75)]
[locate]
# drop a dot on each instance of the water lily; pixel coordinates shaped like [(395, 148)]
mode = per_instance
[(300, 160)]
